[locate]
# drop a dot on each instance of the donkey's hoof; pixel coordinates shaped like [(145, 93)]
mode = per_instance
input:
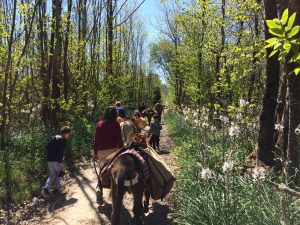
[(146, 209), (100, 199)]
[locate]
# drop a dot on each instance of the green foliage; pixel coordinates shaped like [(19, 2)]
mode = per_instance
[(27, 156), (285, 41), (228, 197), (191, 43)]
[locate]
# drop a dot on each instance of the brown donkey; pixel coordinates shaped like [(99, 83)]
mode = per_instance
[(126, 176)]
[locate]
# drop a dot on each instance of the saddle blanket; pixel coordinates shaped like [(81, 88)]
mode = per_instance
[(141, 160)]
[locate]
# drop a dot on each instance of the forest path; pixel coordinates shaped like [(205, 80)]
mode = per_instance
[(80, 207)]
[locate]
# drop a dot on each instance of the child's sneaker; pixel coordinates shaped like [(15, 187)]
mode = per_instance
[(46, 193), (59, 192)]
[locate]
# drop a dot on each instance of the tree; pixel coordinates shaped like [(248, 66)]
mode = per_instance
[(266, 142)]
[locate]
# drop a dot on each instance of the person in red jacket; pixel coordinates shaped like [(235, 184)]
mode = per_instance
[(108, 137)]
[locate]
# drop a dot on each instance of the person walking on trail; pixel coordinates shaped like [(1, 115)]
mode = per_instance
[(120, 110), (142, 107), (55, 155), (155, 129), (108, 137), (159, 109)]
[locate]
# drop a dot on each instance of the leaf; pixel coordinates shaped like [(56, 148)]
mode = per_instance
[(277, 32), (271, 40), (287, 47), (272, 24), (291, 22), (297, 70), (294, 31), (273, 53), (285, 16), (257, 55)]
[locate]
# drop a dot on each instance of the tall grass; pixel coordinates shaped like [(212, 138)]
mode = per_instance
[(229, 198)]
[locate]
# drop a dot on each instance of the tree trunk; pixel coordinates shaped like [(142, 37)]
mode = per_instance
[(266, 143), (45, 76), (293, 88), (56, 68), (254, 72), (66, 46), (110, 37)]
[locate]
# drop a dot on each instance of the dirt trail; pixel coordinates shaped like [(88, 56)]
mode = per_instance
[(80, 207)]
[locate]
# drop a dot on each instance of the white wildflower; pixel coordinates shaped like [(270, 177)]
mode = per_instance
[(206, 174), (279, 127), (195, 114), (234, 130), (213, 128), (243, 102), (228, 166), (297, 130), (282, 186), (259, 174), (186, 118), (186, 111), (197, 122), (205, 125), (224, 119), (239, 116), (204, 110)]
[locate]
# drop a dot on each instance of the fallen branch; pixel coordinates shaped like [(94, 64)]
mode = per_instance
[(283, 187)]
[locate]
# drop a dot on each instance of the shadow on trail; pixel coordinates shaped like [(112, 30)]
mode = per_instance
[(159, 216), (61, 202), (106, 210)]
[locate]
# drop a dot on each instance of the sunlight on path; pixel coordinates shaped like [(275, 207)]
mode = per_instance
[(81, 208)]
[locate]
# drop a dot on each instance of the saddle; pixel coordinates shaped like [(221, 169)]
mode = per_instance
[(137, 153), (155, 173)]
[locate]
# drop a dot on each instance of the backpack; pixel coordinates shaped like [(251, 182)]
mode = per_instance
[(161, 179)]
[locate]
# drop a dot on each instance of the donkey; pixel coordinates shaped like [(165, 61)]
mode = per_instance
[(126, 176), (149, 113)]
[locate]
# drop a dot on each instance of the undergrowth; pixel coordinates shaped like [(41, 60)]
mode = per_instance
[(24, 169), (211, 193)]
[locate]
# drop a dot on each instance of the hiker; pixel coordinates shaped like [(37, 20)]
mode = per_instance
[(120, 109), (159, 109), (55, 156), (155, 129), (108, 137), (139, 121), (142, 107)]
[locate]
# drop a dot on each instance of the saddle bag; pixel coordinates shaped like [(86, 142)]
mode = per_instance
[(161, 179)]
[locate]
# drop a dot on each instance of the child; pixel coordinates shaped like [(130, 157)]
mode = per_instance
[(155, 129), (139, 121), (55, 156)]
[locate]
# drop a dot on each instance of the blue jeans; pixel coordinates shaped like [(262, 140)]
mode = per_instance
[(53, 180)]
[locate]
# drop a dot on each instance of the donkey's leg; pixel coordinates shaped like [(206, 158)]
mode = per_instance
[(146, 202), (117, 197), (138, 204)]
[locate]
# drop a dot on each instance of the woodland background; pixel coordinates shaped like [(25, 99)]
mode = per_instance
[(63, 61)]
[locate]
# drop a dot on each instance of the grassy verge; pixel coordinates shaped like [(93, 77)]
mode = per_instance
[(211, 192)]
